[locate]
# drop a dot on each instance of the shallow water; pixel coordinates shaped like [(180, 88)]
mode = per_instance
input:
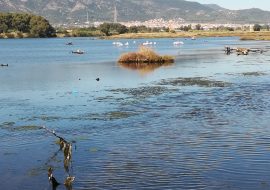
[(201, 123)]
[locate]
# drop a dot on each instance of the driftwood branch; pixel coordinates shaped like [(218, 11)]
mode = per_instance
[(243, 51), (53, 132), (66, 147)]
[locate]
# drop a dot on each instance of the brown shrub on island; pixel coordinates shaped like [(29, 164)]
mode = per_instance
[(145, 55)]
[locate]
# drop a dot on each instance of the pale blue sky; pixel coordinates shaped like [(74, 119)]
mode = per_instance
[(239, 4)]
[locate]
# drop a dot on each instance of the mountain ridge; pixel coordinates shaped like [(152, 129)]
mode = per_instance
[(71, 11)]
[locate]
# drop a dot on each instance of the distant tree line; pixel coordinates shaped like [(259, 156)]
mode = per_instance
[(108, 29), (34, 25), (116, 28), (113, 28), (258, 27)]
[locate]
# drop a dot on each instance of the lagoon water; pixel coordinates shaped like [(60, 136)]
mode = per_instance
[(200, 123)]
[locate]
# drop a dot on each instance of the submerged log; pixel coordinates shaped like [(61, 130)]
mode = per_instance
[(255, 50), (242, 51)]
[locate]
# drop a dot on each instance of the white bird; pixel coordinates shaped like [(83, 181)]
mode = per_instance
[(146, 43), (119, 44), (177, 43)]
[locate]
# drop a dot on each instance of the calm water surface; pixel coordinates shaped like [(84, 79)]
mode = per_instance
[(201, 123)]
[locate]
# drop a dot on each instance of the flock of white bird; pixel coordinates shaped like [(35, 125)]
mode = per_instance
[(146, 43)]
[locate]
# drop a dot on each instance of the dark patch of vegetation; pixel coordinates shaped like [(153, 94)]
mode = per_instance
[(6, 124), (142, 92), (186, 28), (257, 27), (27, 128), (112, 115), (11, 126), (42, 117), (107, 29), (119, 115), (195, 81), (266, 27), (113, 28), (198, 27), (256, 74), (223, 28), (32, 25), (81, 32)]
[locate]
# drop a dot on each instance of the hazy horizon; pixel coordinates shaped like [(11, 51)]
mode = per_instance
[(236, 5)]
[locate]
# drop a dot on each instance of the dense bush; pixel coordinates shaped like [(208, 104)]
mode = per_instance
[(257, 27), (185, 28), (37, 26), (113, 28)]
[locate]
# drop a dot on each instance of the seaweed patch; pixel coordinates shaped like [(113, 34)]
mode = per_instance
[(194, 81)]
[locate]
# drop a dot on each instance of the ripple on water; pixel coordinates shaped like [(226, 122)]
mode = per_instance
[(204, 138), (20, 135)]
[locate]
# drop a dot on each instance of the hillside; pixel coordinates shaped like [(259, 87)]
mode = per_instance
[(70, 11)]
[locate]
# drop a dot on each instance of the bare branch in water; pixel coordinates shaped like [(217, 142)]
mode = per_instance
[(66, 147), (53, 132)]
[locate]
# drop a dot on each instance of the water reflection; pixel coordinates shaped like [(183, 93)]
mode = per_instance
[(143, 68)]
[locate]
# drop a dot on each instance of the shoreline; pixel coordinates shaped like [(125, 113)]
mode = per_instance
[(243, 35), (262, 35)]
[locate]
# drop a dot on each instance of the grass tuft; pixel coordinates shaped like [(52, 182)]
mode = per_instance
[(145, 55)]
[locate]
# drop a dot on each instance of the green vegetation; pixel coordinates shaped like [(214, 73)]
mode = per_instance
[(21, 25), (112, 28), (106, 30), (18, 25), (145, 55), (80, 32), (133, 32), (257, 27)]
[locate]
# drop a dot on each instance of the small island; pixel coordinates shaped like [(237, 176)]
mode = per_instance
[(145, 56)]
